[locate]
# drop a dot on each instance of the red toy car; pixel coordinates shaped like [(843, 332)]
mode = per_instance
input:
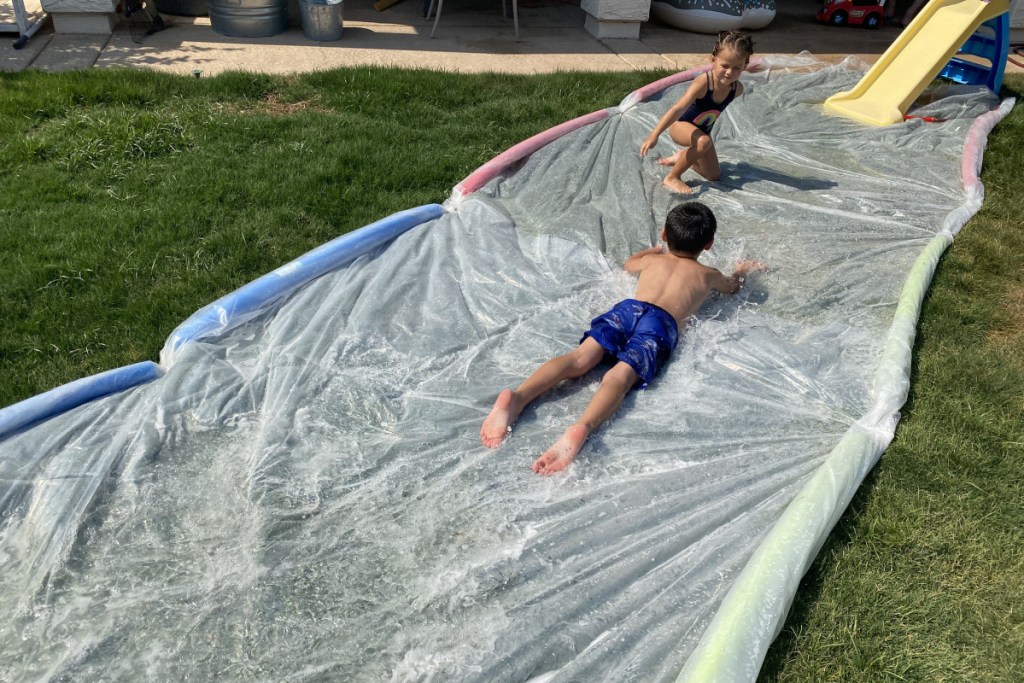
[(869, 13)]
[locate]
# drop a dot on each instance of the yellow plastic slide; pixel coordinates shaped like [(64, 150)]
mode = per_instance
[(917, 56)]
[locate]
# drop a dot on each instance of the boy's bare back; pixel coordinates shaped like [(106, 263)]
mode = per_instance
[(677, 283)]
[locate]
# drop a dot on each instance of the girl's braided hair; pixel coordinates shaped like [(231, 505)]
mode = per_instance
[(740, 43)]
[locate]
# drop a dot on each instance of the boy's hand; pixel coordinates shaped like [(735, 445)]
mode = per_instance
[(749, 266)]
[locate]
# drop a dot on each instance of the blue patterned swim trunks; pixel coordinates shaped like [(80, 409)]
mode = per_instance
[(639, 334)]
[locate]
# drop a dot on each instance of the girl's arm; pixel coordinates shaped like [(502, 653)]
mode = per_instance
[(696, 89)]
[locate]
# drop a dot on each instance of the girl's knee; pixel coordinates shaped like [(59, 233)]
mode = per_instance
[(679, 134)]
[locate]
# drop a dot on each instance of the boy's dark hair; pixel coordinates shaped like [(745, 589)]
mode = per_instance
[(689, 227), (740, 43)]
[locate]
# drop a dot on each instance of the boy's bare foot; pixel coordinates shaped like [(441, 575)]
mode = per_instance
[(670, 161), (499, 423), (677, 185), (558, 457)]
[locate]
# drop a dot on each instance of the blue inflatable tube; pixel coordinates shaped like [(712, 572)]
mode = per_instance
[(227, 311), (238, 306), (42, 407)]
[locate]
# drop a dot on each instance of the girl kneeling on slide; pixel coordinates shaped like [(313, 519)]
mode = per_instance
[(690, 120)]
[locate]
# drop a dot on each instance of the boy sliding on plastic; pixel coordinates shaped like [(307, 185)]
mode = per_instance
[(690, 120), (640, 333)]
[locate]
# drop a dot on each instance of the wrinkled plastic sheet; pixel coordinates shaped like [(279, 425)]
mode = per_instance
[(303, 493)]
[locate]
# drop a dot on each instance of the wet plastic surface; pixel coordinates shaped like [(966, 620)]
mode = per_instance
[(305, 495)]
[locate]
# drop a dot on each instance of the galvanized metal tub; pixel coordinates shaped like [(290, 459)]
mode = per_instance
[(248, 18), (321, 19)]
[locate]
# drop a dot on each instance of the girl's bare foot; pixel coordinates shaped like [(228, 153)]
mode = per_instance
[(670, 161), (677, 185), (499, 423), (558, 457)]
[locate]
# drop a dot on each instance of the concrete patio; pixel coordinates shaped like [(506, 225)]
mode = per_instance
[(472, 37)]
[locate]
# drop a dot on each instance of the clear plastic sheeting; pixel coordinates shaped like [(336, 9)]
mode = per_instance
[(305, 495)]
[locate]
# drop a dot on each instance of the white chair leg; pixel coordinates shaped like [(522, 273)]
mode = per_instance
[(437, 14), (504, 14)]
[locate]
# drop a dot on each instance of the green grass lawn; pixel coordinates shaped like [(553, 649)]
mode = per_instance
[(130, 199)]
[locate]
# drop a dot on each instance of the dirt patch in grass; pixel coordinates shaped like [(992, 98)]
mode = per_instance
[(272, 104)]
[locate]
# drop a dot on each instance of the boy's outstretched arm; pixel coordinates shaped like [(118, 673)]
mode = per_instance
[(732, 283)]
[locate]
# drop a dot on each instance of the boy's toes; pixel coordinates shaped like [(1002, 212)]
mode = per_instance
[(540, 465), (494, 436)]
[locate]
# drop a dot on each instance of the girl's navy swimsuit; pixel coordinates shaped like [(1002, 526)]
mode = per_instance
[(704, 111)]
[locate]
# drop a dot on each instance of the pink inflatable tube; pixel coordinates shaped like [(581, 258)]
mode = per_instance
[(647, 91), (974, 145), (478, 178), (970, 166), (481, 176)]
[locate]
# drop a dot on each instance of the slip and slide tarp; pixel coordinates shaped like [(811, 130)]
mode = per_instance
[(301, 493)]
